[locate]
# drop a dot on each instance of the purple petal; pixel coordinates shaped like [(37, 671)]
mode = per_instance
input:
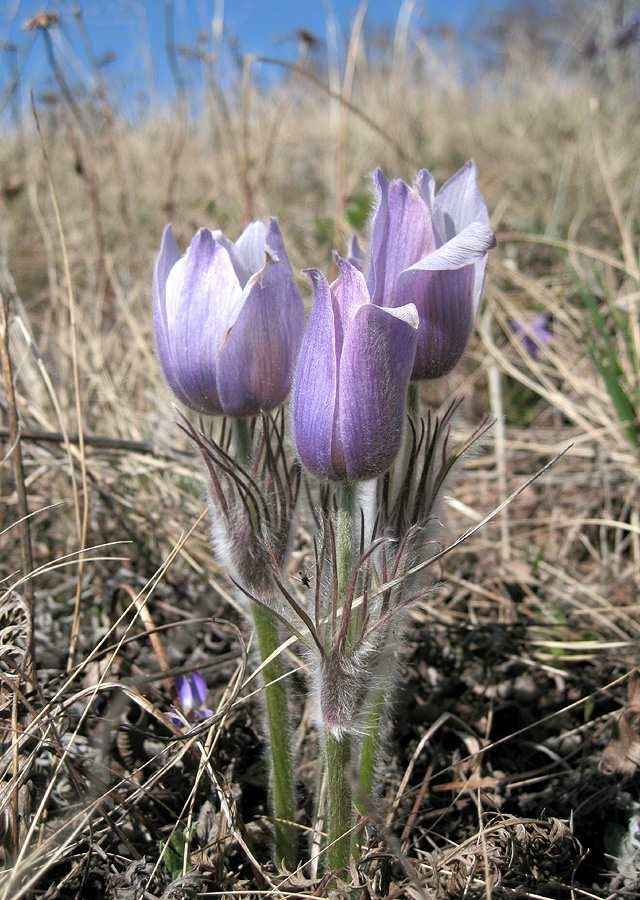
[(185, 693), (466, 250), (539, 324), (402, 235), (251, 246), (315, 385), (376, 364), (355, 254), (202, 295), (242, 272), (275, 243), (467, 247), (199, 687), (445, 305), (426, 185), (167, 258), (256, 363), (379, 233), (349, 292), (480, 267), (461, 201), (457, 204)]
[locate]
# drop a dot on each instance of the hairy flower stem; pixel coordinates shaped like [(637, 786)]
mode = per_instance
[(339, 800), (412, 415), (280, 737), (267, 632), (341, 809), (346, 510), (370, 753), (243, 442), (413, 401)]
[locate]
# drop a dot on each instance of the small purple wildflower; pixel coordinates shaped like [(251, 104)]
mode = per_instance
[(192, 693), (541, 334)]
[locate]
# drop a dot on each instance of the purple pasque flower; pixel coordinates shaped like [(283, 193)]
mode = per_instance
[(431, 249), (191, 691), (351, 380), (539, 333), (228, 320)]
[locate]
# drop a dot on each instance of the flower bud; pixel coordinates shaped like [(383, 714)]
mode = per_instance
[(431, 249), (228, 320), (351, 381)]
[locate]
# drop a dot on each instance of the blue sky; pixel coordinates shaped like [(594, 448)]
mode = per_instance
[(135, 31)]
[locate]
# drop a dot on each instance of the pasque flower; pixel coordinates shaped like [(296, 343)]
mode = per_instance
[(192, 693), (431, 249), (351, 381), (228, 320), (540, 334)]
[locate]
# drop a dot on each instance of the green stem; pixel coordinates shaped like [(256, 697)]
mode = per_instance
[(412, 413), (243, 442), (283, 781), (341, 813), (341, 818), (370, 754), (346, 508), (267, 632), (413, 401)]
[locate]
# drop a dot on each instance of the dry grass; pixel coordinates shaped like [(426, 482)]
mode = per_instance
[(512, 763)]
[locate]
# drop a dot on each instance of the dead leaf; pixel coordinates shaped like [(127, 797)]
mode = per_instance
[(622, 753)]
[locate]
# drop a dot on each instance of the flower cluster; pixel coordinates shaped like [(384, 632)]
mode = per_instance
[(232, 342), (229, 322)]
